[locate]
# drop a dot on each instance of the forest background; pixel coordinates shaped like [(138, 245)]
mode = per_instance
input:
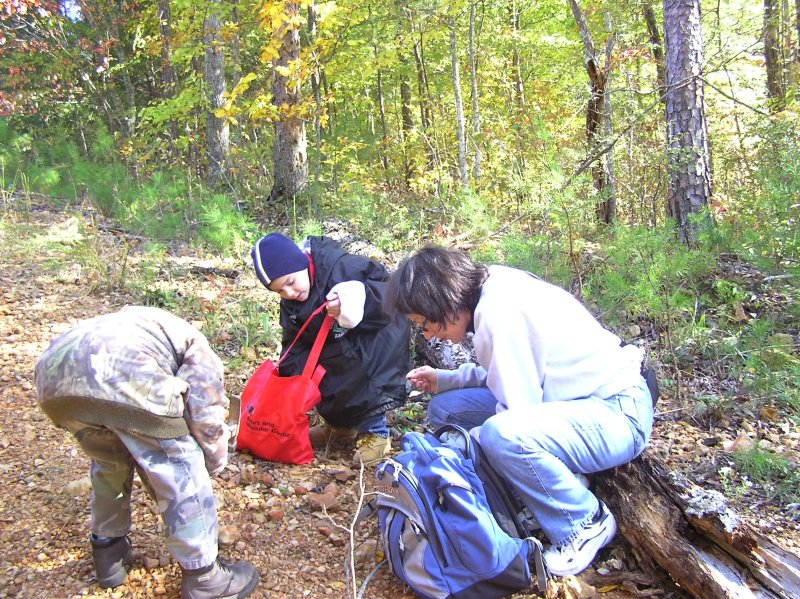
[(645, 156)]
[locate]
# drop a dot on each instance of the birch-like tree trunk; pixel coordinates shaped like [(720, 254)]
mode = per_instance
[(518, 164), (462, 144), (688, 151), (476, 115), (289, 157), (217, 134)]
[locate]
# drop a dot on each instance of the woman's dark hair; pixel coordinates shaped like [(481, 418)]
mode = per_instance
[(435, 282)]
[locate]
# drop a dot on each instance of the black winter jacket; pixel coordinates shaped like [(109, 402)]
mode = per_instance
[(365, 366)]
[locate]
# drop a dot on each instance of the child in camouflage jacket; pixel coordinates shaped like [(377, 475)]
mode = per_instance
[(141, 389)]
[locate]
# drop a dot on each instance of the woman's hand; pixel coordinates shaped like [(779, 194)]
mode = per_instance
[(423, 378)]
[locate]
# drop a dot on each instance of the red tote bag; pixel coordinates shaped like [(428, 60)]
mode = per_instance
[(273, 423)]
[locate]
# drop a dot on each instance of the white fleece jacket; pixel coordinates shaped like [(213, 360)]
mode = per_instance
[(535, 342)]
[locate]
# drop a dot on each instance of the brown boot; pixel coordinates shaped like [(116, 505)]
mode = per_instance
[(220, 580), (370, 449), (324, 435)]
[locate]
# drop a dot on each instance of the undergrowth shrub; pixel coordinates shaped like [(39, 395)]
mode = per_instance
[(646, 275), (540, 255), (761, 221), (386, 222), (779, 476)]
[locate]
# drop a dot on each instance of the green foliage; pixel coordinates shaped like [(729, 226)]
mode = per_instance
[(386, 222), (780, 476), (762, 221), (645, 274), (224, 227), (74, 252), (472, 215), (538, 254)]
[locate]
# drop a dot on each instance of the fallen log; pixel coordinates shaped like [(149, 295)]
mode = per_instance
[(691, 533)]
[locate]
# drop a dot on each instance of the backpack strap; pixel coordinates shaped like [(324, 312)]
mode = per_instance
[(369, 509), (649, 374), (536, 562)]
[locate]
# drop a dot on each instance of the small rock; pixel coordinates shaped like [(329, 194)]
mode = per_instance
[(277, 514), (325, 530), (344, 475), (228, 535), (150, 563), (76, 488), (337, 540)]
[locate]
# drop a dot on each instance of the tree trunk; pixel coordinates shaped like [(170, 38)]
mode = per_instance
[(688, 152), (422, 86), (608, 127), (473, 73), (517, 87), (406, 117), (772, 56), (217, 135), (315, 88), (426, 104), (658, 48), (289, 146), (693, 535), (168, 78), (462, 143), (797, 28), (518, 164), (236, 64), (594, 113)]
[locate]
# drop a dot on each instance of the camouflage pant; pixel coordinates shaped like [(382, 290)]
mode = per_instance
[(174, 472)]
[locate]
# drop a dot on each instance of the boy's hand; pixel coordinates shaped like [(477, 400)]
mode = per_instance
[(334, 307), (423, 378)]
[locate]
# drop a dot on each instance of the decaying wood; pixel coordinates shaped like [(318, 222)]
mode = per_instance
[(693, 535), (443, 354)]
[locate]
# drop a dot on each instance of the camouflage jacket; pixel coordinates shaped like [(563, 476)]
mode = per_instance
[(141, 370)]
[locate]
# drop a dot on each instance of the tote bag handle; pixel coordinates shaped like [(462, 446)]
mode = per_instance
[(316, 349)]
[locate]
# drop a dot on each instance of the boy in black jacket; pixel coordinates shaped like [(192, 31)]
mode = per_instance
[(366, 356)]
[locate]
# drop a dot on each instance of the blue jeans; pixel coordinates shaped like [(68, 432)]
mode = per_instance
[(375, 425), (539, 448)]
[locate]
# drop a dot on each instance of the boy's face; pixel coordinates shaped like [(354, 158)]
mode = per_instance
[(294, 286)]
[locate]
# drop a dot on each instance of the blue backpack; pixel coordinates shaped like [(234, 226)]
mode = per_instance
[(445, 531)]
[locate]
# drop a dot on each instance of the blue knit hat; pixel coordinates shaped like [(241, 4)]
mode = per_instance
[(276, 255)]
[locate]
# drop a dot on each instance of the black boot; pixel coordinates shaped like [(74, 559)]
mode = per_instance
[(111, 556), (220, 580)]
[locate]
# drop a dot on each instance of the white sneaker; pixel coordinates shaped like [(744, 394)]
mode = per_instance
[(576, 556)]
